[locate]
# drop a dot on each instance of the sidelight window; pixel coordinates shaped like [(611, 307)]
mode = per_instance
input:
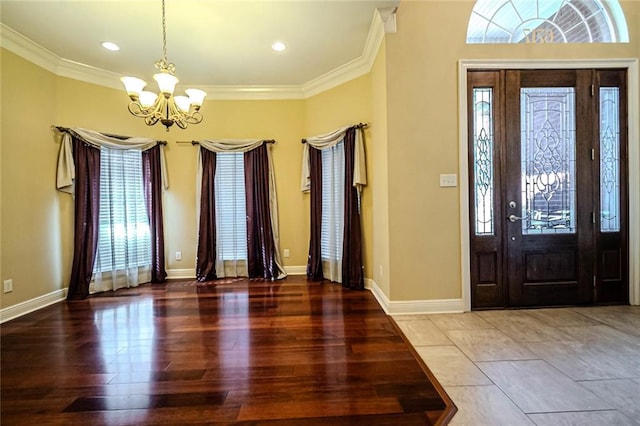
[(609, 159), (483, 150)]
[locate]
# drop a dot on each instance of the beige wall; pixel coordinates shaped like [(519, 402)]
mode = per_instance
[(422, 59), (31, 240), (379, 176), (410, 224)]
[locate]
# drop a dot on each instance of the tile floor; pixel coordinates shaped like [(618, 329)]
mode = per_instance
[(561, 366)]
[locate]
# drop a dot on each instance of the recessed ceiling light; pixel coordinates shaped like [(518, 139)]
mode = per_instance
[(278, 46), (110, 46)]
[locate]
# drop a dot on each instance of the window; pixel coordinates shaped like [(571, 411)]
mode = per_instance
[(124, 239), (547, 21), (332, 202), (231, 215), (332, 227)]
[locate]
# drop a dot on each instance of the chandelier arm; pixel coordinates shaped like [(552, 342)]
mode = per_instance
[(194, 118), (175, 114), (150, 121), (137, 110)]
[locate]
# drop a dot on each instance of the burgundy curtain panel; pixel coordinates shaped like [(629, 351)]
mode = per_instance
[(87, 212), (352, 274), (260, 245), (152, 181), (314, 262), (206, 260)]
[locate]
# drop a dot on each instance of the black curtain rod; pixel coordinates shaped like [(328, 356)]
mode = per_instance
[(357, 126), (67, 130), (198, 143)]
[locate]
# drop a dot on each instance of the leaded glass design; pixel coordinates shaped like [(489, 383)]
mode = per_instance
[(547, 21), (609, 160), (548, 160), (483, 160)]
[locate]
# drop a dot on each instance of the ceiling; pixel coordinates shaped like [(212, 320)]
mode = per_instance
[(211, 42)]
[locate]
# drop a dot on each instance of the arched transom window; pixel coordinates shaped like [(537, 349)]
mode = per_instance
[(547, 21)]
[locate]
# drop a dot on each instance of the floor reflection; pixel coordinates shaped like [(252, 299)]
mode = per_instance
[(222, 352), (127, 339)]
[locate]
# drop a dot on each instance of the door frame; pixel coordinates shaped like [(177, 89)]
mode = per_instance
[(633, 104)]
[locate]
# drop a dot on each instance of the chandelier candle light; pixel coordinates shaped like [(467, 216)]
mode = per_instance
[(166, 108)]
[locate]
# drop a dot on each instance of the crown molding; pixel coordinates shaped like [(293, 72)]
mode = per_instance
[(24, 47), (354, 68), (253, 92), (380, 23)]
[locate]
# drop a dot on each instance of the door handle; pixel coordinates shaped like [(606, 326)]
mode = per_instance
[(513, 218)]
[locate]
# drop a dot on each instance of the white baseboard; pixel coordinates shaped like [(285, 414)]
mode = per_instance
[(34, 304), (190, 274), (413, 307), (295, 270), (181, 274)]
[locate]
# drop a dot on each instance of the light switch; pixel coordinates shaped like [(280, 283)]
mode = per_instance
[(448, 180)]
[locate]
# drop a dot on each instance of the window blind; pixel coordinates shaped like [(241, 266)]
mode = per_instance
[(332, 202), (124, 238), (231, 216)]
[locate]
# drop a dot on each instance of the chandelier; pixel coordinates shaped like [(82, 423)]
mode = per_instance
[(165, 108)]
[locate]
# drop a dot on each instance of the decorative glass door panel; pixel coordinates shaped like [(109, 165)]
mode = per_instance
[(548, 144)]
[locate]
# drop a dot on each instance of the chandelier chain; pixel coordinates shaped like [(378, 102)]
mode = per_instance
[(164, 35)]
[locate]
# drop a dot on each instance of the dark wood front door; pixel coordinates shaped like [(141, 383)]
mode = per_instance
[(547, 155)]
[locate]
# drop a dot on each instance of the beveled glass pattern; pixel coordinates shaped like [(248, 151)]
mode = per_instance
[(609, 160), (483, 160), (548, 160)]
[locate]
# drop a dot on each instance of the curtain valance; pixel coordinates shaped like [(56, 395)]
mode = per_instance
[(231, 145), (329, 140), (65, 174)]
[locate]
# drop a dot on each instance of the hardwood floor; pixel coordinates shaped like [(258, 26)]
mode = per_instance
[(231, 351)]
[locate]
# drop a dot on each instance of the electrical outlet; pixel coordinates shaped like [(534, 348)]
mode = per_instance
[(286, 252), (178, 255), (8, 286)]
